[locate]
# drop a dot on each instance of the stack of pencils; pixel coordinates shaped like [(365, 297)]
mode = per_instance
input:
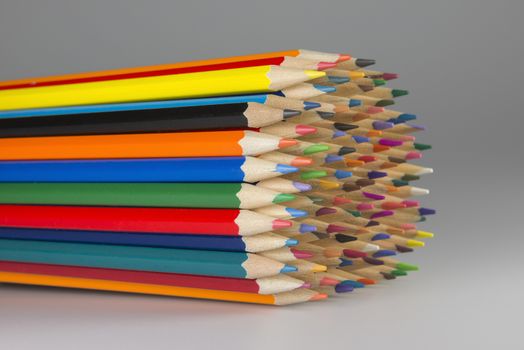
[(274, 178)]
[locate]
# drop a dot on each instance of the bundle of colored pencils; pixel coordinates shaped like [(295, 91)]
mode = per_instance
[(273, 178)]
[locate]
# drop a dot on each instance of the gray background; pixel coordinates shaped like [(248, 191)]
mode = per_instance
[(461, 60)]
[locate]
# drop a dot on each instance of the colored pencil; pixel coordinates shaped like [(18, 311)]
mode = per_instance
[(205, 84), (266, 285), (204, 169), (176, 195), (222, 222), (251, 244), (164, 145), (213, 117), (185, 261), (282, 58)]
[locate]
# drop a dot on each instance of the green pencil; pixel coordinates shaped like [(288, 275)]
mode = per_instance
[(185, 195), (186, 261)]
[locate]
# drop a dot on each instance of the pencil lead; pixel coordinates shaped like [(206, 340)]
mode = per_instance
[(345, 262), (296, 213), (399, 273), (372, 223), (312, 174), (380, 237), (415, 243), (291, 242), (338, 80), (377, 197), (325, 211), (410, 203), (283, 197), (368, 158), (379, 82), (424, 234), (388, 275), (333, 158), (328, 185), (335, 228), (382, 214), (319, 296), (403, 249), (376, 174), (406, 266), (399, 183), (346, 150), (285, 169), (349, 187), (354, 102), (373, 261), (417, 127), (343, 238), (418, 191), (374, 133), (410, 177), (316, 148), (393, 205), (361, 139), (325, 89), (316, 199), (421, 146), (310, 105), (305, 228), (343, 57), (313, 74), (354, 284), (325, 115), (425, 171), (320, 235), (390, 143), (306, 285), (325, 65), (302, 187), (342, 174), (389, 76), (365, 206), (408, 226), (383, 253), (354, 163), (399, 92), (355, 213), (301, 162), (328, 281), (289, 113), (422, 219), (381, 125), (364, 62), (338, 133), (374, 110), (288, 268), (280, 224), (344, 126), (366, 88), (367, 281), (384, 103), (406, 117), (338, 201), (343, 288), (287, 143), (353, 254), (301, 254)]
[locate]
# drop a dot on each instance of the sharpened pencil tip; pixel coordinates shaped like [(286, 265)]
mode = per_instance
[(385, 103), (382, 214), (346, 150), (415, 243), (296, 213), (319, 296), (382, 125), (333, 158), (389, 76), (399, 92), (399, 273), (390, 142), (377, 197), (285, 169), (405, 117), (325, 89), (361, 139), (316, 148), (379, 82), (410, 204), (338, 133), (406, 267), (314, 74), (354, 163), (342, 174), (312, 174), (305, 228), (353, 283), (424, 234), (338, 80), (284, 143), (410, 177), (289, 113), (288, 268), (413, 155), (343, 57), (291, 242), (344, 126), (374, 110), (353, 254), (343, 238), (421, 146), (301, 254), (365, 206), (303, 130), (328, 281), (306, 285), (354, 102), (376, 174), (279, 224), (345, 262), (426, 211), (301, 162), (325, 115), (326, 65), (311, 105), (325, 211), (364, 62), (418, 191), (373, 261), (343, 288), (302, 187), (283, 197), (383, 253), (335, 228)]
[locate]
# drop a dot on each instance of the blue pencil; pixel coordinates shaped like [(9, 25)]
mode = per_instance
[(118, 107), (205, 169), (252, 244)]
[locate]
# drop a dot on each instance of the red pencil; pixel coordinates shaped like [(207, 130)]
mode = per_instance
[(224, 222), (266, 285)]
